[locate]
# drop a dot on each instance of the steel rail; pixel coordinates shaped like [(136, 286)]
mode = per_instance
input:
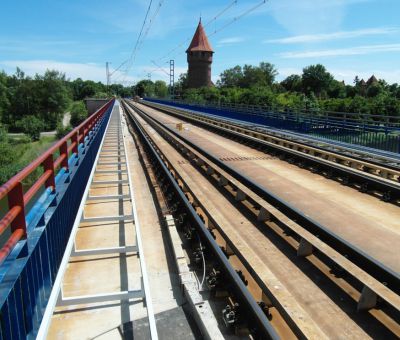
[(361, 259), (389, 189), (264, 328)]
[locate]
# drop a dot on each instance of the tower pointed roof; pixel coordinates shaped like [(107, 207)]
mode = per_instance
[(372, 80), (200, 41)]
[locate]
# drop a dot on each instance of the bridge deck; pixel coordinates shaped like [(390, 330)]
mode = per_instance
[(363, 220), (304, 301)]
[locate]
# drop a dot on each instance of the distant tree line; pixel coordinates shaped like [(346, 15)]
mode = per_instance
[(34, 104), (315, 89), (38, 103)]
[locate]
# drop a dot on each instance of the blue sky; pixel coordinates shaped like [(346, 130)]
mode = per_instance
[(77, 37)]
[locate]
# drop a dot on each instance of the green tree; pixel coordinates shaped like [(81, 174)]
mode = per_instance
[(116, 89), (145, 88), (292, 83), (311, 102), (230, 95), (289, 100), (258, 95), (78, 113), (392, 106), (193, 96), (269, 72), (101, 95), (82, 89), (181, 85), (231, 77), (23, 98), (4, 101), (359, 104), (377, 105), (31, 126), (337, 89), (248, 76), (160, 89), (374, 90), (316, 79), (53, 96), (263, 75), (351, 91)]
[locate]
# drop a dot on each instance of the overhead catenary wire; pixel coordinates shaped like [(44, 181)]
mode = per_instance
[(151, 21), (141, 31), (122, 64), (140, 40), (141, 37), (237, 18), (227, 8), (158, 68), (129, 60)]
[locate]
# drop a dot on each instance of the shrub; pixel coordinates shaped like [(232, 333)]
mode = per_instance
[(62, 130), (8, 166), (31, 126), (3, 134)]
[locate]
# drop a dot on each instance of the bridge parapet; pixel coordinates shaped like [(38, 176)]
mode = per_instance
[(373, 131), (36, 227)]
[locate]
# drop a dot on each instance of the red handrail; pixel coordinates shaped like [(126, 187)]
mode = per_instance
[(17, 200)]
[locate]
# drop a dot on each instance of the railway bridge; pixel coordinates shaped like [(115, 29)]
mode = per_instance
[(155, 220)]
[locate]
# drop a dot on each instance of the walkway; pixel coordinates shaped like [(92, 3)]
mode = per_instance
[(102, 286)]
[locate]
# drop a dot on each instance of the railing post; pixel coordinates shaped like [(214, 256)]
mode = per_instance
[(16, 198), (85, 132), (81, 135), (74, 139), (64, 152), (48, 164)]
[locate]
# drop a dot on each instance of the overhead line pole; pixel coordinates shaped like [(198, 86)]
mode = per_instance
[(171, 78), (108, 76)]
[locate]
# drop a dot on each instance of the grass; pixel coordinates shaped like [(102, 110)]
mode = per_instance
[(33, 150), (25, 152)]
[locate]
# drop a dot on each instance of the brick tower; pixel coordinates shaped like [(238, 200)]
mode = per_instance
[(199, 57)]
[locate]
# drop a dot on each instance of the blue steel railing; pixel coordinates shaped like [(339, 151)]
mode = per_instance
[(30, 267), (379, 132)]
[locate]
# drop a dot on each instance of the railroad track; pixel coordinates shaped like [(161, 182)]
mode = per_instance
[(366, 175), (374, 156), (260, 233)]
